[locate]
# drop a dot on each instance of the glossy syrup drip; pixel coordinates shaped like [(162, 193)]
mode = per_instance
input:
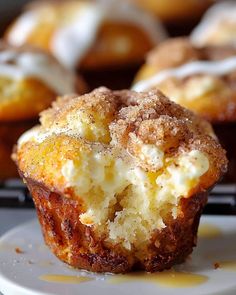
[(66, 279), (171, 279), (208, 231), (228, 265)]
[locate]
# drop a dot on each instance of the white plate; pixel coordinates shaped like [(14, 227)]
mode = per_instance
[(20, 272)]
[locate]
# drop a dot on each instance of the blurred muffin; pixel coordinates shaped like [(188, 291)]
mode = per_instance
[(88, 34), (180, 16), (200, 79), (96, 37), (218, 26), (119, 179), (29, 81)]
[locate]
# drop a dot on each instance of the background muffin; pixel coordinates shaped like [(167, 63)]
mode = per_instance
[(218, 26), (29, 81), (179, 15), (89, 35), (202, 80), (122, 180)]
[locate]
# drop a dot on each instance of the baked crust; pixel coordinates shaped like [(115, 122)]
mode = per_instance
[(81, 247), (211, 96)]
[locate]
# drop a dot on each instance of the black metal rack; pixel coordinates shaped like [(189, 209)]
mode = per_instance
[(222, 200), (14, 194)]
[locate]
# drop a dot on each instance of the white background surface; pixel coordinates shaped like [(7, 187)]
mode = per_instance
[(17, 272), (9, 218)]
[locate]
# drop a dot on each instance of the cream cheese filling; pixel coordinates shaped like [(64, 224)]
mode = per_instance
[(126, 201)]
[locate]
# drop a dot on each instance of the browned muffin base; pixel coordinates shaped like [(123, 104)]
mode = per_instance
[(79, 246)]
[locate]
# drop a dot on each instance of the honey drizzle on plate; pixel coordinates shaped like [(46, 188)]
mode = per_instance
[(227, 265), (66, 279), (172, 279), (208, 231)]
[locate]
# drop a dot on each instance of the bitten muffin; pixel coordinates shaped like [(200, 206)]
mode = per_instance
[(30, 80), (88, 34), (120, 178), (218, 26), (200, 79)]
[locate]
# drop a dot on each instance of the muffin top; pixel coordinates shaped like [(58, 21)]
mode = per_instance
[(71, 30), (218, 26), (181, 11), (26, 61), (29, 80), (124, 156), (201, 79)]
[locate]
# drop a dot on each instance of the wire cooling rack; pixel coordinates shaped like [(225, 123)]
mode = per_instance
[(222, 200)]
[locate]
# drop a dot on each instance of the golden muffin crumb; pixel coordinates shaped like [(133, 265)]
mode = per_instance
[(127, 161)]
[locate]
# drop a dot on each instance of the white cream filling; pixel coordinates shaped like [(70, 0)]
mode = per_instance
[(178, 178), (211, 20), (19, 65), (100, 178), (215, 68), (152, 155)]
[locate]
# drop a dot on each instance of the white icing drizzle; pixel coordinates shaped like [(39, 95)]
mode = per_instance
[(71, 42), (215, 68), (210, 21), (22, 28), (22, 64)]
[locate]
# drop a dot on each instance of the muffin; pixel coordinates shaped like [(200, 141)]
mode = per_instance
[(200, 79), (30, 80), (119, 179), (218, 26), (92, 36), (178, 14)]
